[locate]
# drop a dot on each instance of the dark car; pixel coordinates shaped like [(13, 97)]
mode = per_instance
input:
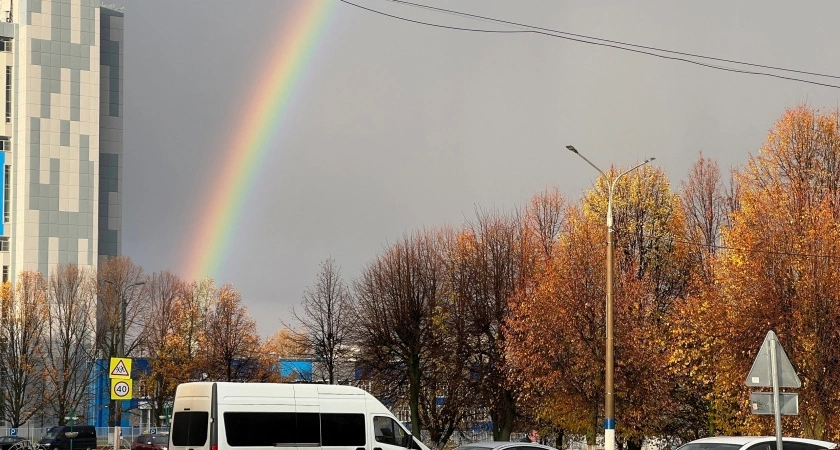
[(150, 442), (6, 442), (81, 437)]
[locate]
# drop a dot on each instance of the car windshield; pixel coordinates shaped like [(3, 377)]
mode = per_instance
[(51, 433), (709, 446), (161, 439)]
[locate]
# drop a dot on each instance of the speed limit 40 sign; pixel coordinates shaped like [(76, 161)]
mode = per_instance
[(121, 389)]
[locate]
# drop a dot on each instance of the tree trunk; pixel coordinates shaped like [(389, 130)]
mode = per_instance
[(414, 395), (506, 412)]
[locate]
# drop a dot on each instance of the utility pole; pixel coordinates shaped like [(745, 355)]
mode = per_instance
[(123, 299), (609, 391)]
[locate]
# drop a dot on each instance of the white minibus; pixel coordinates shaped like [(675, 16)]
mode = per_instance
[(260, 416)]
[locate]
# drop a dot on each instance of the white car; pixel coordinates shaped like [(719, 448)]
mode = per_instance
[(505, 445), (756, 443)]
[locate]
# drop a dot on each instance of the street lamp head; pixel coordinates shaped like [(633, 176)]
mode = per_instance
[(572, 148), (649, 159)]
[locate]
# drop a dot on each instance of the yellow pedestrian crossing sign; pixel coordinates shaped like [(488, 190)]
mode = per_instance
[(121, 389), (120, 368)]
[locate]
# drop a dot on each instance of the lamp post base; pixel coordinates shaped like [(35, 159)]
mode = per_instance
[(609, 438)]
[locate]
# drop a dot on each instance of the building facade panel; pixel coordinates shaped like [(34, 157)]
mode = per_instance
[(63, 124)]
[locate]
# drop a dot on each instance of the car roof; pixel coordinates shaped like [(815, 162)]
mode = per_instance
[(744, 440), (501, 444)]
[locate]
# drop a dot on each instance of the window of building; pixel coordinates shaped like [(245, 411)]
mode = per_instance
[(4, 244), (5, 45), (5, 144), (5, 273), (7, 193), (8, 94)]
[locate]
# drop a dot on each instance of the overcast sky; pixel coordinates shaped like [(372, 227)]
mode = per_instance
[(398, 126)]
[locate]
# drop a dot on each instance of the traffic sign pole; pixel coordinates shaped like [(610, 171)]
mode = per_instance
[(774, 375), (772, 368)]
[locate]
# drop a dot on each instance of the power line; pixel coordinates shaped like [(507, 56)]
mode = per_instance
[(600, 42), (749, 250), (583, 36)]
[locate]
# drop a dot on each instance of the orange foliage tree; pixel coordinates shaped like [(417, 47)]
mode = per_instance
[(69, 351), (231, 345), (161, 344), (559, 322), (23, 320), (780, 271)]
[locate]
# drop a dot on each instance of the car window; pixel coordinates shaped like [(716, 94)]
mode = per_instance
[(388, 431), (763, 446), (797, 446), (709, 446), (87, 433), (189, 428), (161, 439), (51, 433)]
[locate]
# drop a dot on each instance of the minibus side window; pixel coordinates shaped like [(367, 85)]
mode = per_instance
[(342, 429), (189, 428), (270, 429)]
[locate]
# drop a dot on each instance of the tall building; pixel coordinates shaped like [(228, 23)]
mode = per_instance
[(61, 140)]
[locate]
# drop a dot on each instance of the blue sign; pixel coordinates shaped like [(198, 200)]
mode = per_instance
[(12, 431), (153, 431)]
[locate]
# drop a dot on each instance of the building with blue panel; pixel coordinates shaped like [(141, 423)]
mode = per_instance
[(101, 393), (296, 370)]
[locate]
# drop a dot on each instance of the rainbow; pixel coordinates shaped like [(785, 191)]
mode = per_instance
[(250, 141)]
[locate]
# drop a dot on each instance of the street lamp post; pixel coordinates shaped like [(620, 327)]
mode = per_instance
[(123, 306), (609, 392), (72, 418), (122, 331)]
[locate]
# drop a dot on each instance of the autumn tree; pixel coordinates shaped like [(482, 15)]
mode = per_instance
[(23, 321), (544, 216), (556, 335), (652, 271), (161, 344), (779, 271), (558, 322), (703, 200), (448, 372), (121, 301), (192, 313), (397, 296), (493, 267), (284, 344), (696, 328), (231, 345), (119, 305), (70, 338), (543, 221), (326, 320)]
